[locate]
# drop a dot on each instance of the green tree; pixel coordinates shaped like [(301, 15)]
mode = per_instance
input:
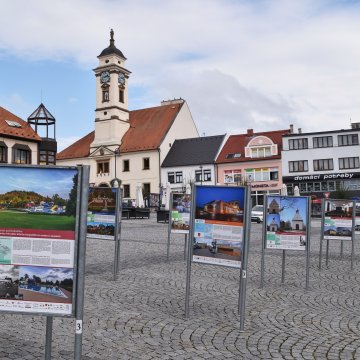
[(71, 205)]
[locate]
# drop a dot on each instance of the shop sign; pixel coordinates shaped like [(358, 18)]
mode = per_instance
[(332, 176)]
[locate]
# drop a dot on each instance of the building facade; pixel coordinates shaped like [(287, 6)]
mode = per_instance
[(191, 161), (255, 159), (322, 164), (21, 144), (127, 147)]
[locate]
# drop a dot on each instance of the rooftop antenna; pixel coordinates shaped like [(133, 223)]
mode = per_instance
[(203, 134)]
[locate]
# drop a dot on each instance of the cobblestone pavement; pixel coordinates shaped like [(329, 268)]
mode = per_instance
[(141, 315)]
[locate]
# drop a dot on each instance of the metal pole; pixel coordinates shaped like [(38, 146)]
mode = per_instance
[(185, 243), (327, 252), (308, 232), (118, 215), (244, 260), (79, 309), (322, 231), (353, 235), (283, 267), (341, 249), (190, 248), (49, 327), (264, 233), (169, 227)]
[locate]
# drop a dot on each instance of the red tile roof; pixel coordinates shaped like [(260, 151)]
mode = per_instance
[(78, 149), (148, 128), (237, 143), (23, 132)]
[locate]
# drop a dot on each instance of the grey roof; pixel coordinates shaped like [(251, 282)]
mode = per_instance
[(194, 151)]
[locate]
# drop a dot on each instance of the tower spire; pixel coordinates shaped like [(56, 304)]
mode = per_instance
[(112, 41)]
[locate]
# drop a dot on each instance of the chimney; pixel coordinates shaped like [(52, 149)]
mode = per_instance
[(250, 132), (299, 130), (291, 128), (355, 125)]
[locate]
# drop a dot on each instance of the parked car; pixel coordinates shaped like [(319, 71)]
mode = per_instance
[(257, 213)]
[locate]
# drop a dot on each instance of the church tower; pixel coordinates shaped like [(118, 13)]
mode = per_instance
[(111, 114)]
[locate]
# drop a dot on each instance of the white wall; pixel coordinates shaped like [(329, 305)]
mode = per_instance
[(183, 128), (335, 152), (11, 142), (188, 175)]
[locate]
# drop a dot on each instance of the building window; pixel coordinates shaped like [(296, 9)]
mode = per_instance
[(347, 140), (171, 177), (179, 177), (262, 174), (323, 164), (121, 96), (47, 157), (207, 175), (259, 152), (103, 167), (297, 144), (232, 176), (126, 165), (298, 166), (126, 190), (349, 163), (323, 141), (105, 96), (198, 175), (146, 163), (233, 155), (146, 189), (3, 154), (22, 156)]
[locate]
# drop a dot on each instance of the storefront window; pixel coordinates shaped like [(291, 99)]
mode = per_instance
[(302, 187)]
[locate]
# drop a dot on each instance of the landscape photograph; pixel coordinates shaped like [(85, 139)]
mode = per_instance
[(38, 198), (9, 282), (39, 283)]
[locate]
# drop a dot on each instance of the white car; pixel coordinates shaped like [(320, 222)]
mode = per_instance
[(257, 213)]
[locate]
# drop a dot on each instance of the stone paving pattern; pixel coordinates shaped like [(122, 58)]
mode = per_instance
[(141, 315)]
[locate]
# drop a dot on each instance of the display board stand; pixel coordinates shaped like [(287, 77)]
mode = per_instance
[(117, 235), (84, 172), (283, 260), (244, 259), (106, 218), (322, 235), (174, 197), (82, 203), (244, 255)]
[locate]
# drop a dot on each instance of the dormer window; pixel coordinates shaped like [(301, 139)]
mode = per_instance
[(233, 155), (13, 123), (263, 151)]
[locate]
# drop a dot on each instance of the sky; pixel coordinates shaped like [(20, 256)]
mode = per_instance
[(46, 182), (205, 194), (47, 273), (261, 64)]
